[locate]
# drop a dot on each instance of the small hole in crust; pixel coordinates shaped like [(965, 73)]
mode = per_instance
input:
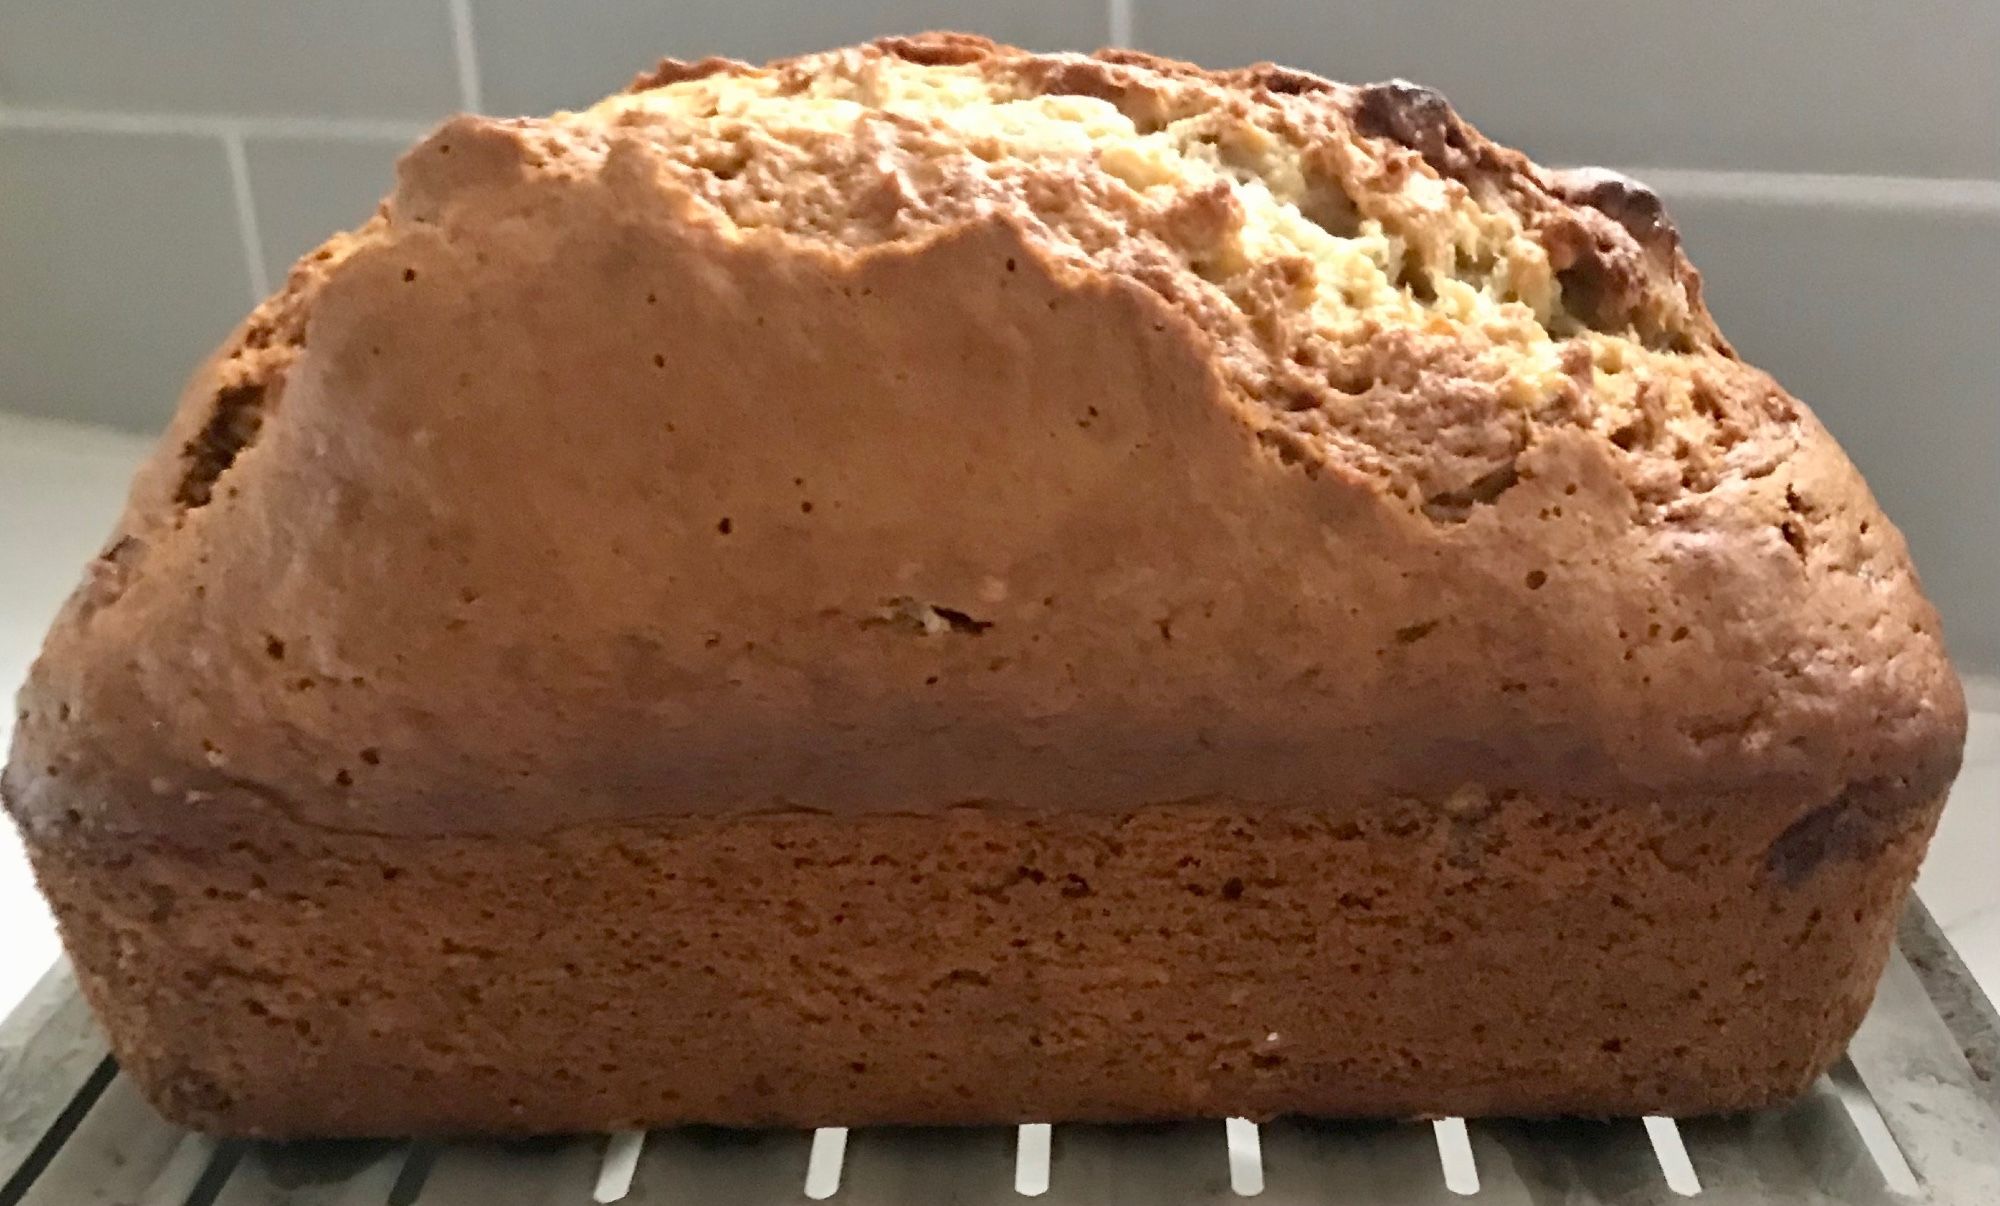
[(1417, 282), (1795, 535)]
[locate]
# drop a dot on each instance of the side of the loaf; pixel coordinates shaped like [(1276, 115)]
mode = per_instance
[(1362, 958)]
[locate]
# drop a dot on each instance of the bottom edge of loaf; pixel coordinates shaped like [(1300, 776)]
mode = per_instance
[(979, 966)]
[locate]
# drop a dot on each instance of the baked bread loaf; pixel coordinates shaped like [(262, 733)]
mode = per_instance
[(935, 584)]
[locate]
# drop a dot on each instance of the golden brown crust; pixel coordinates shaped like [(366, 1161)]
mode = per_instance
[(588, 487)]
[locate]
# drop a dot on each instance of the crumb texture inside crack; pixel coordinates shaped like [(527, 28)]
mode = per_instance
[(1421, 326)]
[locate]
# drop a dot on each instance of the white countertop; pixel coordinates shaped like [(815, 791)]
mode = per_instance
[(61, 487)]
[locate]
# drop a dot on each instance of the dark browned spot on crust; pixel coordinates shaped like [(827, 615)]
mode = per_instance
[(1624, 200), (940, 49), (1421, 119), (1288, 81), (231, 427), (675, 71), (1853, 825), (961, 622), (1456, 506)]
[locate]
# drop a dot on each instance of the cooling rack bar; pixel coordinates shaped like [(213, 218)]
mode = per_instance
[(1906, 1120), (1916, 1069), (53, 1065), (535, 1172), (1966, 1011), (1807, 1152), (122, 1152), (1609, 1162), (970, 1166), (314, 1174)]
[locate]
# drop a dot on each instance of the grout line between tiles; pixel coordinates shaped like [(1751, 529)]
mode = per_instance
[(1931, 194), (212, 125), (466, 52), (246, 215), (1903, 193), (1118, 20)]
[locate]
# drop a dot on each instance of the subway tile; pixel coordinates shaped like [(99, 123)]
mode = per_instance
[(61, 488), (1887, 323), (356, 59), (1850, 86), (306, 189), (120, 267), (535, 57)]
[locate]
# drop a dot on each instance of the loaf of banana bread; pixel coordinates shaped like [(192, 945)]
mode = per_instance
[(929, 583)]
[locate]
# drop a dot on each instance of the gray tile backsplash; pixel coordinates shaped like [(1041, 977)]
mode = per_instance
[(1799, 85), (1887, 323), (308, 58), (122, 260), (539, 56), (306, 189), (120, 267)]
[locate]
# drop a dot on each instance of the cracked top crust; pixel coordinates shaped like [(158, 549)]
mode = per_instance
[(1400, 297), (931, 423)]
